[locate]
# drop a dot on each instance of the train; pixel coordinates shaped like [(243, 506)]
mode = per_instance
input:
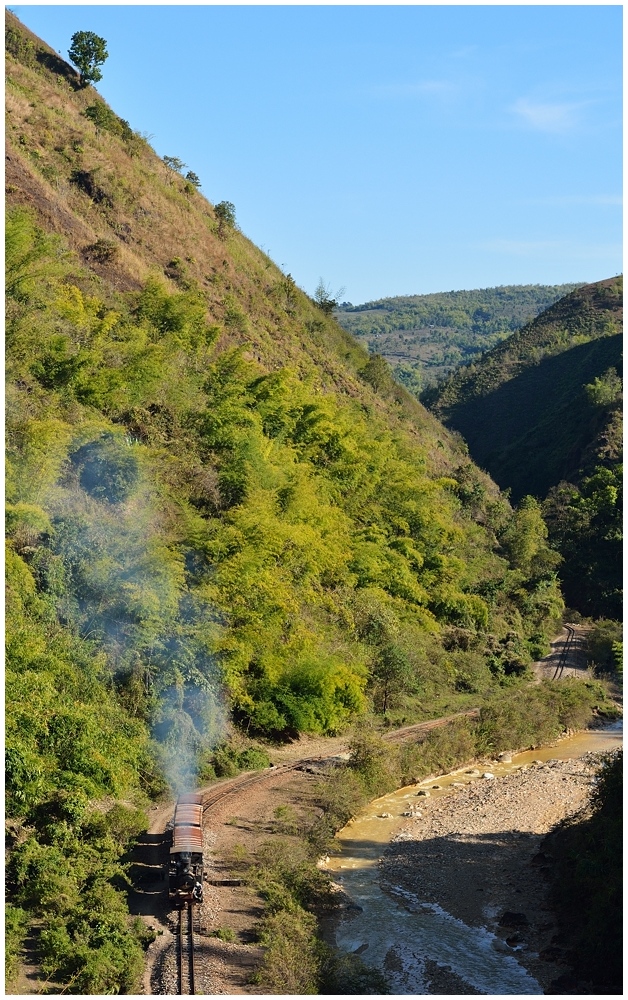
[(185, 869)]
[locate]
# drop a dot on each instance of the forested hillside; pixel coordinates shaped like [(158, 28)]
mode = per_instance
[(542, 412), (424, 337), (221, 513)]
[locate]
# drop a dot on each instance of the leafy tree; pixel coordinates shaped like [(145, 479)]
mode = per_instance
[(174, 163), (225, 213), (88, 52), (193, 178), (605, 390), (324, 298), (392, 675)]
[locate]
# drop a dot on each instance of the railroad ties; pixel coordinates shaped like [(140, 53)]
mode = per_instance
[(186, 951)]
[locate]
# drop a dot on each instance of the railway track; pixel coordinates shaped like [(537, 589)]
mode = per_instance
[(567, 646), (235, 785), (186, 951)]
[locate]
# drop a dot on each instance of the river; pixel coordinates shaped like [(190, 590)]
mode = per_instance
[(395, 930)]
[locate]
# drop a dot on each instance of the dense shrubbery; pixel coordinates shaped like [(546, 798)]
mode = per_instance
[(287, 546), (605, 648), (586, 525)]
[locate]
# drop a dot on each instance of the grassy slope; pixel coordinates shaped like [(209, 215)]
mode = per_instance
[(522, 408), (143, 209)]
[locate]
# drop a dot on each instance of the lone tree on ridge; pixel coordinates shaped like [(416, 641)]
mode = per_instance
[(88, 51)]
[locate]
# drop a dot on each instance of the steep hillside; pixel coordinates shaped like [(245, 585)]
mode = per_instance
[(424, 337), (293, 475), (542, 413), (223, 518)]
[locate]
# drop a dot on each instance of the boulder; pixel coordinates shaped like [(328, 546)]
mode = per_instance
[(487, 774), (424, 793)]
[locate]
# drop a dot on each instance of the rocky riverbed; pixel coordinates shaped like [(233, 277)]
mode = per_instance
[(477, 854)]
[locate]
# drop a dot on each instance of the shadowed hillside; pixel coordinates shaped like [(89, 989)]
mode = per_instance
[(542, 412)]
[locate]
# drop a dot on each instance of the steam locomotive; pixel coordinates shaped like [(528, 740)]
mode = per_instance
[(185, 870)]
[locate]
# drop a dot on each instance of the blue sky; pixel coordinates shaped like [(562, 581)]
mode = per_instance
[(389, 149)]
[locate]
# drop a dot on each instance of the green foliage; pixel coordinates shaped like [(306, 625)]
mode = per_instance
[(324, 298), (225, 761), (193, 179), (88, 52), (107, 470), (174, 163), (442, 750), (378, 374), (587, 883), (586, 525), (224, 934), (605, 390), (226, 214), (605, 646), (374, 761), (346, 974), (105, 119), (528, 408), (33, 259), (522, 718), (291, 954), (16, 921)]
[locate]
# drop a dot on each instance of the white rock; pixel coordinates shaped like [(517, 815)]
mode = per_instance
[(487, 774), (385, 815)]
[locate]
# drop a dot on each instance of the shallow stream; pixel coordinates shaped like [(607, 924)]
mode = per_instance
[(420, 931)]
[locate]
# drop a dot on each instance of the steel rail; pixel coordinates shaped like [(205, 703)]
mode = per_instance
[(234, 785), (562, 660)]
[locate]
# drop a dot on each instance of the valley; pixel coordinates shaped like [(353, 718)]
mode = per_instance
[(243, 556)]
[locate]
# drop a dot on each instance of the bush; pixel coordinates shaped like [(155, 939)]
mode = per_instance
[(224, 934), (286, 877), (16, 923), (375, 762), (441, 750), (107, 468), (291, 961), (345, 974), (604, 643)]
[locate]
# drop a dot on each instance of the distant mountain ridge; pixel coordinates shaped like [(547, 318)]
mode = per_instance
[(426, 336)]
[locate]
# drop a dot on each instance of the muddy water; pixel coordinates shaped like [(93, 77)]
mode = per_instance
[(420, 931)]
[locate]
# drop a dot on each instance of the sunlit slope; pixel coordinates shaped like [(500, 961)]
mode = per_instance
[(233, 495)]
